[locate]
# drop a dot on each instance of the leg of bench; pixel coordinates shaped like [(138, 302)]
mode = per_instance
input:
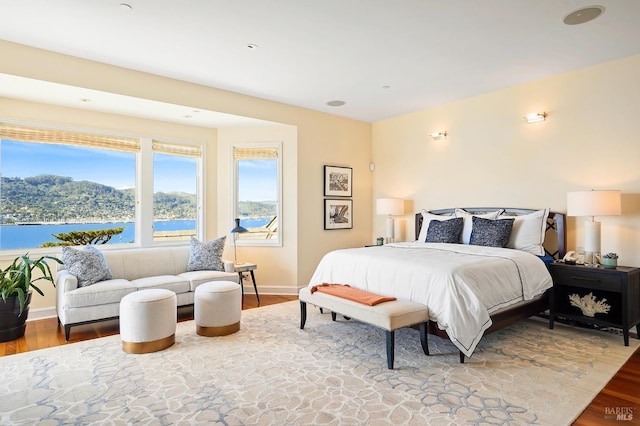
[(461, 357), (303, 314), (423, 338), (391, 342), (333, 316)]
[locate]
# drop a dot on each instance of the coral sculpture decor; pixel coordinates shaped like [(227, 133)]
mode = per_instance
[(588, 304)]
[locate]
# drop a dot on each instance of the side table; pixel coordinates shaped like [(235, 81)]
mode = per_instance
[(604, 297), (241, 268)]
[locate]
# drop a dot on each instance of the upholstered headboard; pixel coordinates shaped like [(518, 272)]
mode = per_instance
[(555, 241)]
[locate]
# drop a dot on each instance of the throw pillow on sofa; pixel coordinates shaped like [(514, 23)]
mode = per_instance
[(206, 256), (88, 265)]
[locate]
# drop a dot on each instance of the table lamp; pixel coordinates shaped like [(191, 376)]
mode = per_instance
[(236, 230), (593, 203), (390, 207)]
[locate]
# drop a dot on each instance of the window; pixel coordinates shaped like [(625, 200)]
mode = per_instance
[(59, 182), (175, 183), (257, 169)]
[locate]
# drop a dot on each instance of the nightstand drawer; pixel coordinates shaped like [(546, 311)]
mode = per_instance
[(587, 279)]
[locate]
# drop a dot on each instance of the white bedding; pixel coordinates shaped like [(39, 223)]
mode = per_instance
[(460, 284)]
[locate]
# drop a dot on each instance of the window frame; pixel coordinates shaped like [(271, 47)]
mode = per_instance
[(275, 242), (144, 181)]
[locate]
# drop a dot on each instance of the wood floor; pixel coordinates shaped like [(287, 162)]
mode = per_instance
[(619, 395)]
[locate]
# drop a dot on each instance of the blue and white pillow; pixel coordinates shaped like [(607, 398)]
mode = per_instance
[(491, 233), (445, 231), (88, 265), (206, 256)]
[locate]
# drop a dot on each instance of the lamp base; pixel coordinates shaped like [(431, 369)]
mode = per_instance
[(389, 229), (592, 243)]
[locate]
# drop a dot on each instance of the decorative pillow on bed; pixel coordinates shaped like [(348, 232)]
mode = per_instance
[(88, 265), (206, 256), (528, 232), (426, 220), (468, 224), (491, 233), (444, 231)]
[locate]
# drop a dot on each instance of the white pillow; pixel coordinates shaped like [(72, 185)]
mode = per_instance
[(468, 222), (426, 218), (528, 232)]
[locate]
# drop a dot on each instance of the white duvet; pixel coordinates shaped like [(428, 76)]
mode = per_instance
[(460, 284)]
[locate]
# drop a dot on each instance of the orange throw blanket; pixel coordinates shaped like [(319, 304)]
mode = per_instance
[(353, 294)]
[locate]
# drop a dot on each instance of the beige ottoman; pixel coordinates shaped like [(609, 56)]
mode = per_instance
[(148, 321), (217, 308)]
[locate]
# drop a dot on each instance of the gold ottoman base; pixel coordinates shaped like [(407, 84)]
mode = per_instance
[(146, 347), (217, 331)]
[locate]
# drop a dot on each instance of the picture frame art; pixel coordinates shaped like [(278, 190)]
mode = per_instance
[(338, 214), (338, 181)]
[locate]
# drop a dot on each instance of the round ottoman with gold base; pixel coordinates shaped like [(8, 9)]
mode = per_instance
[(148, 321), (217, 308)]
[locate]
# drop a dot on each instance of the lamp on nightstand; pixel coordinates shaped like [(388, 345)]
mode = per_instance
[(238, 229), (593, 203), (390, 207)]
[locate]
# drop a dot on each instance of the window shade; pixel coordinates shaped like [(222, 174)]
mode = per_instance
[(253, 153), (173, 149), (86, 140)]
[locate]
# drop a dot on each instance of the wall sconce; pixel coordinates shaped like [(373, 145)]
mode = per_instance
[(535, 117), (439, 136)]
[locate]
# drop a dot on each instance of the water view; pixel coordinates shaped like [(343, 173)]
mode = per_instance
[(34, 235)]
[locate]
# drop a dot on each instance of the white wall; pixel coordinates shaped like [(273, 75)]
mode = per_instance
[(591, 139)]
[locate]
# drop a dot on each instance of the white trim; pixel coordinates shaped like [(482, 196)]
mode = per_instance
[(234, 193)]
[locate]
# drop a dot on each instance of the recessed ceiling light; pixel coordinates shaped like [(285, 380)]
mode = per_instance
[(85, 100), (336, 103), (386, 87), (252, 46), (125, 6), (187, 116), (581, 16)]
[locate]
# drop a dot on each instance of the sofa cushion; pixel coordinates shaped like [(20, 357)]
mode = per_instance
[(100, 293), (167, 282), (88, 265), (206, 256), (200, 277)]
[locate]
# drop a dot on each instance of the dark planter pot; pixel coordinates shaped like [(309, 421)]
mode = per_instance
[(12, 323)]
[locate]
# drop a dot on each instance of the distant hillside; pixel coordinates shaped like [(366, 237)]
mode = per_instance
[(61, 199), (51, 198)]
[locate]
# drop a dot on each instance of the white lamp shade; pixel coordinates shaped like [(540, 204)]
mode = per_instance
[(594, 203), (390, 206)]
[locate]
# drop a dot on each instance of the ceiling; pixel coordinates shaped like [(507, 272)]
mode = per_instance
[(383, 58)]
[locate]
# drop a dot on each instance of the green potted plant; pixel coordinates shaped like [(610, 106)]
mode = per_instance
[(610, 261), (16, 281)]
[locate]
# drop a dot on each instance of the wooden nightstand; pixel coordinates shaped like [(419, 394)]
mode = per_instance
[(604, 297), (241, 268)]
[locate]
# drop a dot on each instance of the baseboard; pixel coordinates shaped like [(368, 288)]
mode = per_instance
[(272, 290), (42, 313)]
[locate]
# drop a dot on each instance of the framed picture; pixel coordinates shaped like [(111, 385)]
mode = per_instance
[(337, 181), (338, 214)]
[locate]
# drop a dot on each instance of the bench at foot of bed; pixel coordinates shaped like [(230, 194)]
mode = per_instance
[(389, 316)]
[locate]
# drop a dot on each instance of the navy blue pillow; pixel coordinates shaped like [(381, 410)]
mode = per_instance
[(491, 233), (445, 231)]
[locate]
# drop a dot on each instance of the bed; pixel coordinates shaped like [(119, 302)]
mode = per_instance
[(469, 289)]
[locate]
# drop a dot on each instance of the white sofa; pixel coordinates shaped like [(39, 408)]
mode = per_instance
[(132, 269)]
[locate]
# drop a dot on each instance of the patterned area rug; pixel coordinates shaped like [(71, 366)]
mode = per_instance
[(334, 373)]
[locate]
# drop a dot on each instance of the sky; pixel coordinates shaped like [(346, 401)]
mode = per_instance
[(117, 169)]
